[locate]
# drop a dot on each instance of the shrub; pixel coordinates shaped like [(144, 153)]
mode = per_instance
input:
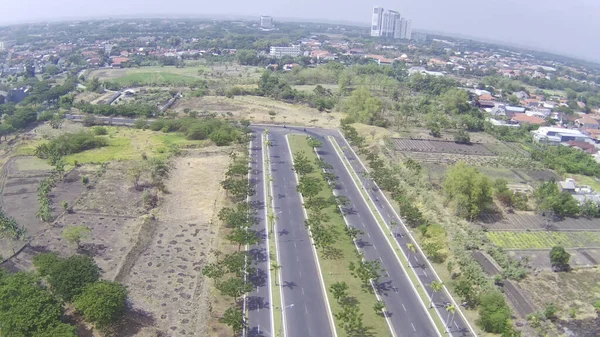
[(67, 277), (559, 258), (100, 130), (101, 302), (67, 144), (494, 313)]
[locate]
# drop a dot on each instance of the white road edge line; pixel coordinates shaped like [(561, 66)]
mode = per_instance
[(435, 327), (273, 332), (312, 244), (462, 315)]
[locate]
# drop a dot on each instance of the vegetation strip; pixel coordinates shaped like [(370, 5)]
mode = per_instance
[(415, 281), (276, 290), (336, 256)]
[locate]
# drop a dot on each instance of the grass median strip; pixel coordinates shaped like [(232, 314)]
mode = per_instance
[(275, 286), (335, 260), (409, 271)]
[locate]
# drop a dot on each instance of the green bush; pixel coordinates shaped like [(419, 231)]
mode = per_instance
[(494, 313), (27, 309), (67, 144), (101, 302), (68, 277), (220, 132), (100, 130)]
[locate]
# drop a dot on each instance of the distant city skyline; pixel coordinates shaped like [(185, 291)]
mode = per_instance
[(565, 28)]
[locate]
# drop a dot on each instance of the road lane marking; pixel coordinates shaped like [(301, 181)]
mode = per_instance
[(403, 307), (374, 246), (415, 330)]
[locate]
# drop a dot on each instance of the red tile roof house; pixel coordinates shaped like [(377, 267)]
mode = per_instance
[(523, 118), (119, 61), (586, 147)]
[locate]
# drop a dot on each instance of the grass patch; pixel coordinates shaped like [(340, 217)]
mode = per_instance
[(151, 75), (130, 144), (409, 271), (336, 269), (32, 164), (532, 240)]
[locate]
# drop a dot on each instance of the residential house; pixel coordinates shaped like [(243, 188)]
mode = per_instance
[(587, 122), (522, 118), (583, 146), (521, 95), (118, 62)]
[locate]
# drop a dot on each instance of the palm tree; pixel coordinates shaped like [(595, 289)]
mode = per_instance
[(413, 249), (272, 217), (275, 268), (451, 309), (393, 226), (435, 286)]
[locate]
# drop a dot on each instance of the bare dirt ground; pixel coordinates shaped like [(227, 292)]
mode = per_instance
[(19, 183), (157, 256), (257, 110), (575, 290), (165, 280), (539, 258)]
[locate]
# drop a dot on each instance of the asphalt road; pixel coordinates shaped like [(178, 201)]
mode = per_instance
[(404, 310), (258, 302), (458, 326), (300, 275)]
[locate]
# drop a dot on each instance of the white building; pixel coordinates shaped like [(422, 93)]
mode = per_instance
[(553, 135), (266, 22), (376, 21), (407, 30), (278, 52), (1, 45), (388, 25)]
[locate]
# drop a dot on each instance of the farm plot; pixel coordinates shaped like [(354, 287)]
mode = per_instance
[(433, 146), (530, 221), (542, 240)]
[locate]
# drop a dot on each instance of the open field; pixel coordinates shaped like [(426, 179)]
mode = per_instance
[(311, 87), (528, 240), (539, 258), (258, 109), (150, 75), (335, 269), (576, 290), (123, 144)]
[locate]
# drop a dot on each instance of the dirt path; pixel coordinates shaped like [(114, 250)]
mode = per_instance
[(165, 281)]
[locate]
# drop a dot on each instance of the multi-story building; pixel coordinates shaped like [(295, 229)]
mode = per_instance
[(293, 51), (376, 21), (407, 30), (387, 23), (266, 22)]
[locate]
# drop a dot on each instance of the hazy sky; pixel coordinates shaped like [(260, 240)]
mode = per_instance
[(568, 27)]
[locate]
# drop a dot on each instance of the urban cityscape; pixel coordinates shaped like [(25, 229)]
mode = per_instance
[(257, 176)]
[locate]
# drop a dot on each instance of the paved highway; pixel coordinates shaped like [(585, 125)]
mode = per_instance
[(459, 325), (304, 301), (259, 302), (404, 309)]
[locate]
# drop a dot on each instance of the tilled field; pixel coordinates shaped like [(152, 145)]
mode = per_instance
[(437, 146)]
